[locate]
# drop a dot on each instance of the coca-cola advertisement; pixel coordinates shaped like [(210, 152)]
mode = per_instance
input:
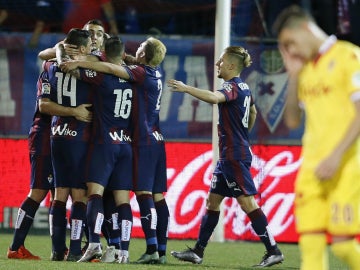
[(189, 171)]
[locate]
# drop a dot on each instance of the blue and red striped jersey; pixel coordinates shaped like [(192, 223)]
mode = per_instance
[(233, 120)]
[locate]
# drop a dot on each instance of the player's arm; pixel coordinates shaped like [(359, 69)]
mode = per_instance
[(80, 112), (328, 167), (47, 54), (51, 53), (99, 66), (202, 94), (292, 112), (110, 16), (252, 116)]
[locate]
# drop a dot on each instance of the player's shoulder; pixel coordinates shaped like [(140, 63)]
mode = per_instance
[(347, 49)]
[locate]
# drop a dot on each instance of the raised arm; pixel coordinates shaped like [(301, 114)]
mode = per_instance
[(202, 94)]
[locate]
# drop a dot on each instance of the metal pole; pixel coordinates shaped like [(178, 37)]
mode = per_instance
[(222, 40)]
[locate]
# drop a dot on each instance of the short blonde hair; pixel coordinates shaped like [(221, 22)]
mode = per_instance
[(155, 51), (241, 55)]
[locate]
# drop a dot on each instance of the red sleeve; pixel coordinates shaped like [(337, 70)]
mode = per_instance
[(137, 73)]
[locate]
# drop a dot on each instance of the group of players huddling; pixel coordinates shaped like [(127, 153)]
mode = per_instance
[(96, 137)]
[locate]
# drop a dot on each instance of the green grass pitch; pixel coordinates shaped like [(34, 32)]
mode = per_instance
[(228, 255)]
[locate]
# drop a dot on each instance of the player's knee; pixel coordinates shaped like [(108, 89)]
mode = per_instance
[(38, 195), (247, 203)]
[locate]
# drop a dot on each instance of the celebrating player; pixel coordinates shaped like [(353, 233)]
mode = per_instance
[(69, 145), (231, 177), (324, 74), (150, 181), (41, 166), (110, 155)]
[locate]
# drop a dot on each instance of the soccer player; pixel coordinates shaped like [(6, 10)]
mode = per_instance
[(150, 180), (324, 73), (231, 178), (110, 154), (41, 168), (69, 144), (98, 35)]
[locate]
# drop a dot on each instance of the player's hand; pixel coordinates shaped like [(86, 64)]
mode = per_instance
[(328, 167), (82, 113), (71, 50), (293, 64), (176, 86), (68, 66)]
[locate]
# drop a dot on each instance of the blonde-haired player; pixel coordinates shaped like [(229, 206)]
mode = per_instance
[(149, 157), (324, 82)]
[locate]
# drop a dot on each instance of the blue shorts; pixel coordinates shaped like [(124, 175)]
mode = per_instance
[(110, 165), (150, 168), (68, 159), (232, 178), (41, 172)]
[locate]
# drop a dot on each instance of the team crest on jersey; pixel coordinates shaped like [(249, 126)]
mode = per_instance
[(45, 88), (90, 73), (228, 87), (132, 66)]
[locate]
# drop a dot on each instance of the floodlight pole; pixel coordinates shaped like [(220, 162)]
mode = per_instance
[(222, 40)]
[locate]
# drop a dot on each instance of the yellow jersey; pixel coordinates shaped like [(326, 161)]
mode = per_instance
[(327, 89)]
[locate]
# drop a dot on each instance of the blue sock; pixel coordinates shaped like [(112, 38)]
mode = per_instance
[(148, 219), (95, 217), (208, 224), (59, 222), (163, 214), (24, 221), (125, 224), (259, 223), (77, 218)]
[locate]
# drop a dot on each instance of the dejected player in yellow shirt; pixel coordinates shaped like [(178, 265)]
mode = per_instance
[(324, 86)]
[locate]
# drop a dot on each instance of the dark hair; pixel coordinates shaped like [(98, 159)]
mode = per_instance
[(78, 37), (290, 17), (95, 22), (114, 47)]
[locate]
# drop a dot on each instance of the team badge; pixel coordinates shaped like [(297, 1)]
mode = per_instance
[(90, 73), (50, 178), (268, 83), (45, 88), (228, 87), (213, 182)]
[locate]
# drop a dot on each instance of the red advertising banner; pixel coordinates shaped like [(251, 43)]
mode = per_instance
[(189, 170)]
